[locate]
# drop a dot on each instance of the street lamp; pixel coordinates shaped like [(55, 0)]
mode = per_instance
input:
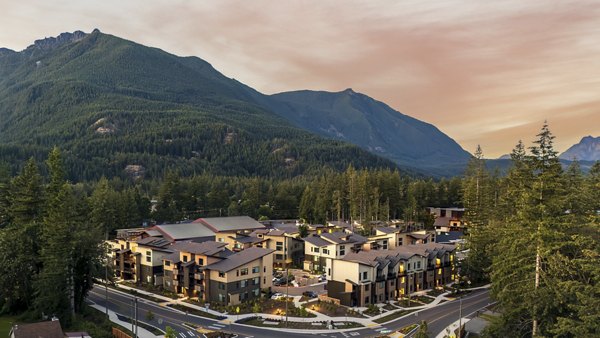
[(460, 308)]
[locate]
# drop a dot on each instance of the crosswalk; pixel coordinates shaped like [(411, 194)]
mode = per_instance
[(185, 334), (216, 326), (350, 334)]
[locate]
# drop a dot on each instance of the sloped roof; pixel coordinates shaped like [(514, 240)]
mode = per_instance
[(316, 241), (155, 242), (287, 228), (239, 259), (208, 248), (174, 257), (235, 223), (48, 329), (339, 237), (387, 230), (183, 231)]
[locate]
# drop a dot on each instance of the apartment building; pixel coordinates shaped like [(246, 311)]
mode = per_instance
[(319, 250), (368, 277), (288, 248), (240, 277), (183, 268), (448, 219)]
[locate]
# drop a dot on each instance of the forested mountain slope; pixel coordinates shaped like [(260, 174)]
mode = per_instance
[(118, 108)]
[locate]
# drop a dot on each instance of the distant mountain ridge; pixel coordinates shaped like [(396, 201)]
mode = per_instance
[(359, 119), (55, 90), (588, 149)]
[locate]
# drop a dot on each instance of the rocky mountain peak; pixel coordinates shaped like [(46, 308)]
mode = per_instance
[(55, 42), (588, 149)]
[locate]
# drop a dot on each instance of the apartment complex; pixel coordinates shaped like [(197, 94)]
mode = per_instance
[(448, 219), (368, 277), (319, 250), (240, 277)]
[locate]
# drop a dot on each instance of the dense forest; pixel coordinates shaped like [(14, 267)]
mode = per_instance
[(535, 234)]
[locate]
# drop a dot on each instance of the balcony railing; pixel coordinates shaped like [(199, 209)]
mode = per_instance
[(199, 288), (175, 283), (198, 276)]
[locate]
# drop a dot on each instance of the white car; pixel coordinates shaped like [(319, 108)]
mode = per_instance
[(277, 295)]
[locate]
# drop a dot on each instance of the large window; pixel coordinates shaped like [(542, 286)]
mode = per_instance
[(278, 257), (325, 251), (185, 258), (342, 250), (149, 256), (221, 274), (256, 269), (221, 286), (244, 271), (221, 298), (316, 250), (279, 246), (364, 275), (244, 283)]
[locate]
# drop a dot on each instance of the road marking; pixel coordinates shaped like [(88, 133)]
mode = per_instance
[(218, 325), (355, 334), (191, 333), (182, 334), (215, 328), (345, 334), (380, 329)]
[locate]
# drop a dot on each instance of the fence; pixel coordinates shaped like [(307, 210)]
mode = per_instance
[(119, 334)]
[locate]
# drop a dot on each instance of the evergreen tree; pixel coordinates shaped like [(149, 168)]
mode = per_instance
[(422, 332)]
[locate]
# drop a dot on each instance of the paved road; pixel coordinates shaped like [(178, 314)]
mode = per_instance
[(437, 317)]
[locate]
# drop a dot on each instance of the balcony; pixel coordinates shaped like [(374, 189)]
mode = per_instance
[(199, 288), (198, 276), (175, 283)]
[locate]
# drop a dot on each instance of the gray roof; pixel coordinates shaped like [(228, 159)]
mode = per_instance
[(154, 242), (208, 248), (248, 239), (288, 228), (239, 259), (387, 230), (183, 231), (378, 257), (343, 238), (153, 233), (448, 237), (47, 329), (224, 224), (174, 257), (316, 241), (340, 224)]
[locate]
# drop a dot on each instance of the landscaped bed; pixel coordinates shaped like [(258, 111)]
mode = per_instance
[(424, 299), (405, 303), (393, 316), (263, 305), (257, 321), (155, 331), (195, 312), (332, 310), (436, 292), (152, 289)]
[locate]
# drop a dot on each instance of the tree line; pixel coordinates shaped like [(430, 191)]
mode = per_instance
[(535, 234)]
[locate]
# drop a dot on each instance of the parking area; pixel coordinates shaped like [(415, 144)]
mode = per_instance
[(302, 281)]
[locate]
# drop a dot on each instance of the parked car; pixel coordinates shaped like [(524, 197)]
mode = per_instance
[(278, 295), (322, 278), (280, 281), (295, 284), (310, 294)]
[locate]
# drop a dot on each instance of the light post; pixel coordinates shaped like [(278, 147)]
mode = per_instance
[(287, 278), (460, 309), (134, 325)]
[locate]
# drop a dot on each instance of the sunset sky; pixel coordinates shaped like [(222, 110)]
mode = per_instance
[(484, 72)]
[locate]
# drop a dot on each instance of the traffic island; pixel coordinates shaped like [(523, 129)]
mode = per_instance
[(319, 325)]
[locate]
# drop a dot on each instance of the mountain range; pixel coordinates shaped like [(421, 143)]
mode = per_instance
[(117, 107), (588, 149)]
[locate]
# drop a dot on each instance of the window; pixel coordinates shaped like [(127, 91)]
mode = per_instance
[(184, 258), (364, 275), (385, 245), (279, 246), (325, 252), (167, 263), (329, 271), (256, 269), (221, 298), (403, 280), (279, 257), (256, 292), (221, 274), (316, 250), (367, 287), (399, 241), (244, 271), (342, 250), (200, 261), (221, 286), (367, 300), (148, 256), (220, 239), (408, 266), (256, 281), (381, 285), (244, 283), (315, 258), (418, 265)]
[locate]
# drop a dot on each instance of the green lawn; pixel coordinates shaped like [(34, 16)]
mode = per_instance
[(5, 325)]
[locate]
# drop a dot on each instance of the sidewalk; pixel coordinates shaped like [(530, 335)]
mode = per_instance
[(142, 333)]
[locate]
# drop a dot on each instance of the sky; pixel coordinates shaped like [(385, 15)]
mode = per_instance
[(483, 72)]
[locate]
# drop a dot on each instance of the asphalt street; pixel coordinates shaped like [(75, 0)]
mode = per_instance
[(438, 318)]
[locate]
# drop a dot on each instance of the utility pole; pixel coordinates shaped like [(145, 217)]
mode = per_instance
[(106, 271), (136, 318), (287, 278)]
